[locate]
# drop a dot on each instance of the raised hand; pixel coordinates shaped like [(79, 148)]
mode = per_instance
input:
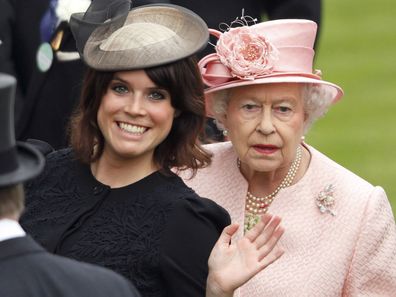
[(231, 264)]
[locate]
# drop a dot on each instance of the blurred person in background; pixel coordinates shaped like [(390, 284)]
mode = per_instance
[(340, 234)]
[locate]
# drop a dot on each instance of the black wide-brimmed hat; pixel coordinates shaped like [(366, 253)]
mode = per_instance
[(18, 161)]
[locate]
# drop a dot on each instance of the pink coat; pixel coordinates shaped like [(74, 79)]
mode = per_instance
[(350, 254)]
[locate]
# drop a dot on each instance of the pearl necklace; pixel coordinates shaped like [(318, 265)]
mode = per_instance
[(255, 206)]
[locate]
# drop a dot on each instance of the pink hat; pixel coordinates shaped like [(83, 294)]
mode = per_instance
[(279, 51)]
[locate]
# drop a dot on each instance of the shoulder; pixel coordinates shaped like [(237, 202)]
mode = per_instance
[(220, 177), (326, 168), (99, 279), (40, 270), (58, 160), (219, 148), (200, 209), (352, 192), (57, 165), (223, 157), (60, 156), (188, 204)]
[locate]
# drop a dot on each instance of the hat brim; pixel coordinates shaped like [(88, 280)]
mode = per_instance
[(335, 91), (30, 164), (138, 47)]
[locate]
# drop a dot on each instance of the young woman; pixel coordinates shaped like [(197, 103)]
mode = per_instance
[(112, 199)]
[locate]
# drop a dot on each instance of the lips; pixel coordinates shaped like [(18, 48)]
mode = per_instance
[(266, 148)]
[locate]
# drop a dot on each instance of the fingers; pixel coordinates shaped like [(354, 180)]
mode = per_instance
[(265, 235), (270, 245), (227, 233), (268, 232), (274, 255), (258, 228)]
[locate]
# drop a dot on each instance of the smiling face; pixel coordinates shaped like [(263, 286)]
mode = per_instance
[(265, 124), (134, 116)]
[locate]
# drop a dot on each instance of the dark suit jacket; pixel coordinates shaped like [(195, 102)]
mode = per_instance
[(26, 269)]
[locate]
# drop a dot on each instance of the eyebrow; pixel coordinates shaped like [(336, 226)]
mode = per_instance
[(115, 77), (285, 99), (154, 87)]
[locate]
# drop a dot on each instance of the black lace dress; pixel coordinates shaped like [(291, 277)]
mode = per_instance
[(157, 232)]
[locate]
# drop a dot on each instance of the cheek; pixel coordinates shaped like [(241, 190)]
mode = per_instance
[(106, 110), (109, 105), (298, 125), (241, 128), (163, 116), (100, 117), (239, 132), (291, 136)]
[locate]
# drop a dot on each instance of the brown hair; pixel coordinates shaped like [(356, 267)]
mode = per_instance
[(11, 201), (180, 148)]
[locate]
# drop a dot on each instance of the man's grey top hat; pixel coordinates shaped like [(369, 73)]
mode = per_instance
[(110, 37), (18, 161)]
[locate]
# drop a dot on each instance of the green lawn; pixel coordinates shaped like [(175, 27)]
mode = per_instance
[(357, 50)]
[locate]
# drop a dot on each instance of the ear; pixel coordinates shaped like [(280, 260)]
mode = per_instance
[(222, 122), (306, 116)]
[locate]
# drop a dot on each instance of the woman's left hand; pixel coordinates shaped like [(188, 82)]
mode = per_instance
[(233, 264)]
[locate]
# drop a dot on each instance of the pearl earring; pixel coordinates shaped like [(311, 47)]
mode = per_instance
[(302, 138), (225, 132)]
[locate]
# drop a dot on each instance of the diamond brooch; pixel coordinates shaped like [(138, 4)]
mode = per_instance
[(325, 200)]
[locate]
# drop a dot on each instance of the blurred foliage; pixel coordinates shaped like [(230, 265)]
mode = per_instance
[(357, 50)]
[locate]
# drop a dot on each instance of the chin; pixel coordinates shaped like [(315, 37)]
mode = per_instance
[(264, 166)]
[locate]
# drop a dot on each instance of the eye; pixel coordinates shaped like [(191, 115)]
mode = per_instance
[(119, 89), (250, 107), (283, 109), (157, 95)]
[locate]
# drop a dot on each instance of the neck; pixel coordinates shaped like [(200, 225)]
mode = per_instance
[(262, 182), (119, 172), (10, 217)]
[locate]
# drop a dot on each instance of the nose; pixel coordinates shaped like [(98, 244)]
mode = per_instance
[(135, 105), (266, 125)]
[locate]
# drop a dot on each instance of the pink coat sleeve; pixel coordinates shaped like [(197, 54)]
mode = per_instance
[(373, 267)]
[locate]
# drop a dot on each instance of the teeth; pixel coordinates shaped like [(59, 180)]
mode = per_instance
[(132, 128)]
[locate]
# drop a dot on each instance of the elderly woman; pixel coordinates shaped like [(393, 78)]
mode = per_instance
[(340, 237)]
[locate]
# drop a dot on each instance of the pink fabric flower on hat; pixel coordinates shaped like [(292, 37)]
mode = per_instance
[(246, 53)]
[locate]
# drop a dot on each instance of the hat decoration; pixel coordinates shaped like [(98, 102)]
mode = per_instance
[(245, 51), (100, 14)]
